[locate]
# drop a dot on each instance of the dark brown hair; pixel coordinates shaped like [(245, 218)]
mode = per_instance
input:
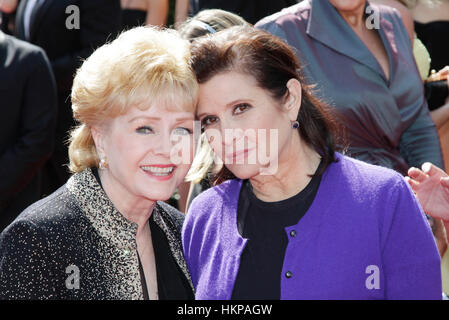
[(272, 63)]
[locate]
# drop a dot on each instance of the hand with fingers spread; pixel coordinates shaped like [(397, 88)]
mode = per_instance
[(431, 185)]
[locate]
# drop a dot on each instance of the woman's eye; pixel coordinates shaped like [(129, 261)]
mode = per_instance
[(207, 121), (241, 108), (182, 131), (144, 130)]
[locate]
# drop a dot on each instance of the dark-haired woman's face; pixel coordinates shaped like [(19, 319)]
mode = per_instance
[(247, 129)]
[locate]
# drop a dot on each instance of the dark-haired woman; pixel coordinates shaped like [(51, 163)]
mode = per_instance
[(293, 217)]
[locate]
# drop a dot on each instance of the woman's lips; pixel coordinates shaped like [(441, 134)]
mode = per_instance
[(237, 155), (160, 172)]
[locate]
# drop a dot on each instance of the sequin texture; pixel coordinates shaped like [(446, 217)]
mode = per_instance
[(78, 226)]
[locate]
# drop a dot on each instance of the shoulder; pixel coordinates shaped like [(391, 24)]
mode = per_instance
[(297, 13), (52, 213), (23, 50), (27, 233), (395, 8), (216, 196), (175, 216), (401, 18), (367, 179), (395, 13), (24, 61), (33, 248), (351, 167), (210, 203), (372, 193)]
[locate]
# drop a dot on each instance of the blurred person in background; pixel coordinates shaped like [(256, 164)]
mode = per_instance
[(250, 10), (209, 21), (7, 15), (439, 109), (431, 19), (432, 27), (27, 125), (68, 31), (144, 12), (363, 65), (430, 48), (431, 186)]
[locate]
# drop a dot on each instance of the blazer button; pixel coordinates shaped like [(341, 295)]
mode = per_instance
[(293, 233), (288, 274)]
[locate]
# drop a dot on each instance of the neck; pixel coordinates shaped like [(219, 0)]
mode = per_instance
[(354, 17), (294, 167), (135, 209)]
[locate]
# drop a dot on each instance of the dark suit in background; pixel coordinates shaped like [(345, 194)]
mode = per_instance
[(27, 123), (66, 48)]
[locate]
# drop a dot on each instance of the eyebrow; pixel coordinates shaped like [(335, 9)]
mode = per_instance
[(143, 117), (230, 104), (157, 119), (184, 119)]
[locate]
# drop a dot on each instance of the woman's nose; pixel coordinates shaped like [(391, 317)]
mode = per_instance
[(232, 135), (163, 145)]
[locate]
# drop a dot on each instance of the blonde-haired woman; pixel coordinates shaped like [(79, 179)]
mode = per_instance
[(105, 234)]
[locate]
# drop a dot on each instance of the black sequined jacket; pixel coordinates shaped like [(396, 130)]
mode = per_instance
[(74, 244)]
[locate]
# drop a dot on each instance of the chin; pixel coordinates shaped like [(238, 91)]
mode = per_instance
[(347, 5), (156, 193), (158, 197), (244, 172)]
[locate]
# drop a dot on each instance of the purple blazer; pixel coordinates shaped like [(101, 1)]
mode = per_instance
[(364, 237)]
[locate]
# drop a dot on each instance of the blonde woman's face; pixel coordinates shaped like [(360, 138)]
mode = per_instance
[(148, 151)]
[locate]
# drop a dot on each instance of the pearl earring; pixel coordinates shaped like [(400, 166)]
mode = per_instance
[(103, 164)]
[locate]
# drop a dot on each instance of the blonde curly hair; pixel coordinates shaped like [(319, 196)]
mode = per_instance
[(141, 66)]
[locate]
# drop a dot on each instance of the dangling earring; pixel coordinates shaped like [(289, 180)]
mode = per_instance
[(295, 125), (103, 164)]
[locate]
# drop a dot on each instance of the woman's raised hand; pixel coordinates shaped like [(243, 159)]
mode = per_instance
[(431, 185)]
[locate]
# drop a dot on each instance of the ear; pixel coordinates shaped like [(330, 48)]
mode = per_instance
[(293, 103), (98, 136)]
